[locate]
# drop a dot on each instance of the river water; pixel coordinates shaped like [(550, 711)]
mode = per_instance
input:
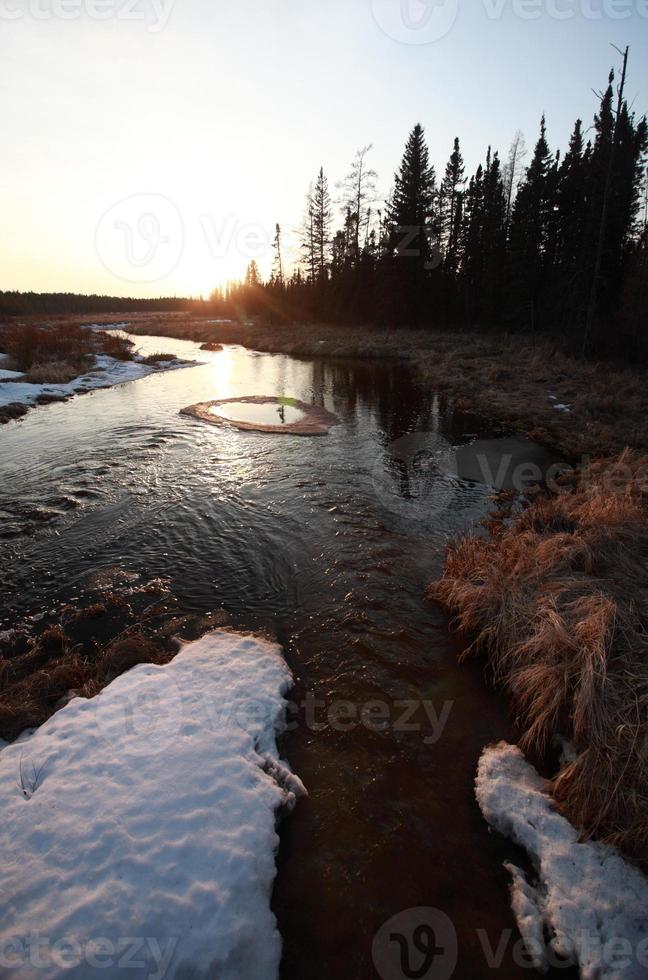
[(328, 544)]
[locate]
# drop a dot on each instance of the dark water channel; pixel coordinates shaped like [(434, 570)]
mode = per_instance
[(328, 543)]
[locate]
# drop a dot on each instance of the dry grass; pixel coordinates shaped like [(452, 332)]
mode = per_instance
[(158, 358), (50, 353), (37, 675), (557, 600), (56, 372)]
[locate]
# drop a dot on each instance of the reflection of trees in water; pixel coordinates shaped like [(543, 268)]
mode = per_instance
[(389, 392), (389, 396)]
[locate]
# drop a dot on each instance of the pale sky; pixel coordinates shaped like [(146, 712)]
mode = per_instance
[(149, 146)]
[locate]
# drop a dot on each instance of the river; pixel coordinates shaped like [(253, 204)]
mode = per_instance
[(326, 543)]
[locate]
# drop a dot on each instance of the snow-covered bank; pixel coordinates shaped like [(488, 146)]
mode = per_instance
[(592, 904), (108, 371), (149, 812)]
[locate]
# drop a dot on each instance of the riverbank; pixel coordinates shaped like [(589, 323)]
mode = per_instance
[(576, 407), (556, 600), (43, 362)]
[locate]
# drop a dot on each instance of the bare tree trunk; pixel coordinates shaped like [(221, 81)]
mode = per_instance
[(591, 309)]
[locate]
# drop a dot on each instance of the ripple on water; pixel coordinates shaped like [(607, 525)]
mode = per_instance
[(327, 544)]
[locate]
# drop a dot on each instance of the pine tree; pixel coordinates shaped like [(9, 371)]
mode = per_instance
[(483, 242), (321, 212), (277, 266), (450, 208), (616, 173), (528, 233), (410, 228), (571, 205), (471, 243), (252, 277), (493, 240), (410, 209), (307, 234)]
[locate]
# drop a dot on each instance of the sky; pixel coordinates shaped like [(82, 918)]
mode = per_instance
[(149, 147)]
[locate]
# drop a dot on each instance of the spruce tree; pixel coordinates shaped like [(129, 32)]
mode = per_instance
[(528, 233), (321, 209), (410, 209), (410, 228), (450, 208)]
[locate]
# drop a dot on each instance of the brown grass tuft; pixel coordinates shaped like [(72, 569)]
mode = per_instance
[(557, 600)]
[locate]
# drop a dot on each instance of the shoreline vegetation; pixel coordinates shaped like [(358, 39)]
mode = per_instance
[(556, 600), (44, 360)]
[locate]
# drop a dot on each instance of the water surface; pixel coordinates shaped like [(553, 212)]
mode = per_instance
[(268, 413), (327, 544)]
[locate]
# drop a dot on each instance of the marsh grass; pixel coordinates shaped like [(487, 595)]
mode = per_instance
[(38, 675), (51, 353), (556, 599)]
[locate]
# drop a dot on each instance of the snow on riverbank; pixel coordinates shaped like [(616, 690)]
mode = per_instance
[(149, 812), (592, 904), (108, 371)]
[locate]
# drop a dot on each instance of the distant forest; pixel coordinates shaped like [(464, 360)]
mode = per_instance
[(554, 244)]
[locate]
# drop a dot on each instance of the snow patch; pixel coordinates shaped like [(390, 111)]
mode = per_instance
[(591, 903), (149, 811), (108, 371)]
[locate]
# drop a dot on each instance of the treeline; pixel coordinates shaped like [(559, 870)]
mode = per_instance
[(557, 244), (542, 242), (14, 303)]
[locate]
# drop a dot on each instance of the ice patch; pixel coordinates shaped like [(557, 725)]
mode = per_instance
[(590, 902), (149, 811)]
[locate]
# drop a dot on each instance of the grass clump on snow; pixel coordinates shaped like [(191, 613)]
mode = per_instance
[(557, 600), (54, 353)]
